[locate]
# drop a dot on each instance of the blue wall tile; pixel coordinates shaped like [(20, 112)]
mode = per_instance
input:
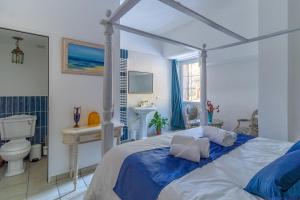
[(44, 133), (9, 104), (46, 119), (22, 105), (38, 103), (27, 105), (43, 118), (43, 103), (123, 53), (15, 105), (46, 104), (38, 119), (32, 105), (2, 105)]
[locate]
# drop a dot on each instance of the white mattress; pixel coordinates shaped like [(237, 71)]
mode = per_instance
[(222, 179)]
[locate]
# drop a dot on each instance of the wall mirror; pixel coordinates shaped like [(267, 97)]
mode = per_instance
[(24, 83), (140, 82)]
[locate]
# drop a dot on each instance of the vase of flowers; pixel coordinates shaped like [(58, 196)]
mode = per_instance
[(210, 111), (158, 122)]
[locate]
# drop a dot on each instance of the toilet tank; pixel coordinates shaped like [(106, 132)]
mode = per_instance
[(17, 127)]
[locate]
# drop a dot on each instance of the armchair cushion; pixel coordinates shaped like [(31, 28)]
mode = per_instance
[(193, 113)]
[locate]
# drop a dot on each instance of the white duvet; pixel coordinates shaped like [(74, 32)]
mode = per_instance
[(222, 179)]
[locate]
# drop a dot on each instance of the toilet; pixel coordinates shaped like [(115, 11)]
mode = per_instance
[(16, 129)]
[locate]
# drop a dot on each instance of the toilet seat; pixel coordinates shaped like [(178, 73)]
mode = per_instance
[(15, 145)]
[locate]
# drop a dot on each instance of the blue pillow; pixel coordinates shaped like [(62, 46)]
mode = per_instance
[(294, 192), (279, 179), (295, 147)]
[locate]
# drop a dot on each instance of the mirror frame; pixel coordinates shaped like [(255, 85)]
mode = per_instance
[(49, 62), (150, 92)]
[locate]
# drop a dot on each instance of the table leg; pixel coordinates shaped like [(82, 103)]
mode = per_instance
[(71, 162), (75, 165)]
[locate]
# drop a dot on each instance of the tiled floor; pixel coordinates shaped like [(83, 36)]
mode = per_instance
[(32, 185)]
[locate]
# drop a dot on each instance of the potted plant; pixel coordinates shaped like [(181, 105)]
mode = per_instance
[(210, 110), (158, 122)]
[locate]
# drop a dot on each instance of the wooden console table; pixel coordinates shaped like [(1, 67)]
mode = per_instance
[(75, 136)]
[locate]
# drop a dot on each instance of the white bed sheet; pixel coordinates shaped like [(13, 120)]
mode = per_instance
[(222, 179)]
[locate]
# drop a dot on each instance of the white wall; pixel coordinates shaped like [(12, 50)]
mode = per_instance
[(140, 44), (161, 69), (294, 71), (279, 71), (233, 86), (77, 19), (28, 79), (273, 71)]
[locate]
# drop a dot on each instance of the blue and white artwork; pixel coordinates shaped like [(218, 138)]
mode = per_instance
[(83, 58)]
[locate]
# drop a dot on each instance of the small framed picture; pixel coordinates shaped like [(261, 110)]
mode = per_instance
[(82, 58)]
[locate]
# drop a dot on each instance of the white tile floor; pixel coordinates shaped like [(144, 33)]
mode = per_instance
[(32, 185)]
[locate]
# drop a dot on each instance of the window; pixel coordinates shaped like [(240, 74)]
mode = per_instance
[(190, 81)]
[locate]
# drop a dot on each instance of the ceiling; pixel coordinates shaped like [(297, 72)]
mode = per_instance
[(239, 16), (153, 16), (156, 17), (31, 40)]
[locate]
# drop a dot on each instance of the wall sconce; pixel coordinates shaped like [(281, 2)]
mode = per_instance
[(17, 55)]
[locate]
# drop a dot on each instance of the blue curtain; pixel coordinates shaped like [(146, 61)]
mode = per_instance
[(177, 121)]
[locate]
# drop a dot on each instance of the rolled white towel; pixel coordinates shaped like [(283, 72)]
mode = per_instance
[(219, 136), (209, 130), (233, 134), (201, 143), (191, 153)]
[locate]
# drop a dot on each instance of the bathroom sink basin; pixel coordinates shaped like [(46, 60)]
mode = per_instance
[(143, 112)]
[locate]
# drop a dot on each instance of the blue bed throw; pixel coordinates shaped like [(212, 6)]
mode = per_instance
[(144, 174)]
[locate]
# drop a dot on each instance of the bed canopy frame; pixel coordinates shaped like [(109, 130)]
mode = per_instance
[(111, 22)]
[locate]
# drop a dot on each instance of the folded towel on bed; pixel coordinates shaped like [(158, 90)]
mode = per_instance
[(219, 136), (191, 153), (202, 145), (183, 139)]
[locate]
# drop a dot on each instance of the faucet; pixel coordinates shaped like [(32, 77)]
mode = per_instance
[(144, 103)]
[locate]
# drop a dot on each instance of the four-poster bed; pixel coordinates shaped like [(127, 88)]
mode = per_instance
[(125, 7), (225, 173)]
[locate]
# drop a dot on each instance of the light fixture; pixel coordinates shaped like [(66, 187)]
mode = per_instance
[(17, 55)]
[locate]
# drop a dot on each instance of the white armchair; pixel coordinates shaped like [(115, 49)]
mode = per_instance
[(191, 116), (251, 128)]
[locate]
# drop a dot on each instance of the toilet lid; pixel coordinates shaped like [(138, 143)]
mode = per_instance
[(15, 145)]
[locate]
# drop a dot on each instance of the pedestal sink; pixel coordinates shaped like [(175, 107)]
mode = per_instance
[(143, 112)]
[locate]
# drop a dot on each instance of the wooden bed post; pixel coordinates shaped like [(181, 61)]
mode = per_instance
[(107, 88), (203, 75)]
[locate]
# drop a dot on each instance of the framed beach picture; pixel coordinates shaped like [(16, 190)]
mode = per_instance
[(82, 58)]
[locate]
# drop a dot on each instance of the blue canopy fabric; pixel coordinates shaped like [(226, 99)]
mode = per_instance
[(177, 121)]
